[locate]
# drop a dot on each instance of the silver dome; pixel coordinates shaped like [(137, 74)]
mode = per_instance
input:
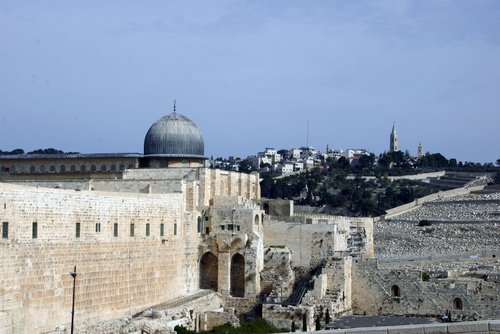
[(174, 135)]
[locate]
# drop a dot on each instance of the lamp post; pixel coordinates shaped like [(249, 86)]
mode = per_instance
[(73, 274)]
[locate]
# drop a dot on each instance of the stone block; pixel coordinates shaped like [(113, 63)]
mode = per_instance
[(4, 320), (410, 329), (494, 325), (368, 330), (435, 329), (468, 327)]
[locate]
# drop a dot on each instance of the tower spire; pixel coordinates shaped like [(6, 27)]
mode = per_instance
[(393, 145), (174, 106)]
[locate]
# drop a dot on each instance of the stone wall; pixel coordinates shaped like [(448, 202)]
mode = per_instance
[(116, 275), (283, 316), (419, 201), (206, 183), (401, 291), (480, 327), (322, 238)]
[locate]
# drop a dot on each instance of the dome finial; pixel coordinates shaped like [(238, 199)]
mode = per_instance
[(174, 106)]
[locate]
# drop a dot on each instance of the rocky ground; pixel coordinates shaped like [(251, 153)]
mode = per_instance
[(459, 225)]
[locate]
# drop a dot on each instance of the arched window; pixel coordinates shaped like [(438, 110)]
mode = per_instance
[(52, 168), (83, 168), (256, 219), (42, 168), (395, 292), (458, 304), (72, 168), (93, 168), (62, 168), (103, 168), (12, 169), (32, 169), (130, 166), (199, 224), (113, 168), (122, 167)]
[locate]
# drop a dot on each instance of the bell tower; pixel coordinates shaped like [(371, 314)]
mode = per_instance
[(393, 145)]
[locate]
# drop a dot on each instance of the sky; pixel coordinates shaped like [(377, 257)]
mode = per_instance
[(92, 76)]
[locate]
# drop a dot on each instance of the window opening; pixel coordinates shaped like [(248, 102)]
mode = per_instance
[(5, 230)]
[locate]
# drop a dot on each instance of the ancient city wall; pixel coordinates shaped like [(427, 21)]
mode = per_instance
[(203, 184), (116, 275), (312, 238), (213, 182), (479, 327), (399, 291), (308, 243)]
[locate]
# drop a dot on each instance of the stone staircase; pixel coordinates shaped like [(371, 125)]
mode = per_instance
[(181, 301)]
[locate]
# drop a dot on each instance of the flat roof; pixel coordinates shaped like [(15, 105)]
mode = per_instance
[(70, 156)]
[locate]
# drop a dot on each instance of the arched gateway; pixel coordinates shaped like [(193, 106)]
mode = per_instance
[(209, 271), (238, 275)]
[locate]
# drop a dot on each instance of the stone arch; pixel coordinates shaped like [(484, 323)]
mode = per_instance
[(395, 291), (266, 208), (237, 275), (209, 274), (458, 304)]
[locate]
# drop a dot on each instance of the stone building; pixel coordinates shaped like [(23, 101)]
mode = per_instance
[(134, 225)]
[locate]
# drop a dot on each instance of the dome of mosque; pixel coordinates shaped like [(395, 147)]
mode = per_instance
[(174, 135)]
